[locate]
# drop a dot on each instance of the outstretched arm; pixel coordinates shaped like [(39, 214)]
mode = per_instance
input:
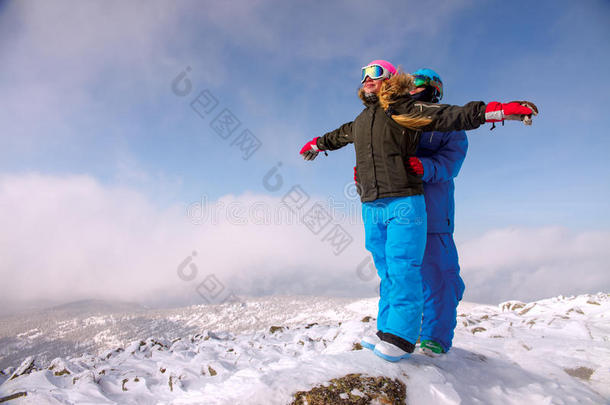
[(336, 139), (330, 141), (445, 118)]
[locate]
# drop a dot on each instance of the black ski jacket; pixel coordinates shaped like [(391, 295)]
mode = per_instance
[(383, 146)]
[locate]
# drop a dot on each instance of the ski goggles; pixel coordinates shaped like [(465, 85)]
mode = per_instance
[(423, 81), (375, 72)]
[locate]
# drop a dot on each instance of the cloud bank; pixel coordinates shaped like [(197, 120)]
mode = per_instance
[(70, 238), (533, 263)]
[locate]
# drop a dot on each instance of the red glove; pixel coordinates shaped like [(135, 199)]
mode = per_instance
[(310, 150), (355, 174), (414, 166), (515, 110)]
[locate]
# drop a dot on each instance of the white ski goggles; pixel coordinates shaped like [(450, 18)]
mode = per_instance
[(375, 72)]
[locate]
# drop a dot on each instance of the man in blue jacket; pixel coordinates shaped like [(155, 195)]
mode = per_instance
[(439, 159)]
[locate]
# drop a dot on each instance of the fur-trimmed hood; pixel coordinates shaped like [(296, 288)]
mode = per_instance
[(392, 89)]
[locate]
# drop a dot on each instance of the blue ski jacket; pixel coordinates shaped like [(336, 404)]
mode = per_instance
[(441, 154)]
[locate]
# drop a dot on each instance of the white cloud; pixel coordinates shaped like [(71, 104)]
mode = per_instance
[(72, 238), (534, 263), (68, 238)]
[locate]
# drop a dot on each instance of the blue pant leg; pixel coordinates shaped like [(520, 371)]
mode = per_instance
[(432, 284), (443, 289), (375, 234), (406, 242)]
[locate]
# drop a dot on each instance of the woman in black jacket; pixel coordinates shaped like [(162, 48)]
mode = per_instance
[(385, 135)]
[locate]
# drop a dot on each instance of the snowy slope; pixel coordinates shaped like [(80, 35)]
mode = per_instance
[(554, 351), (75, 329)]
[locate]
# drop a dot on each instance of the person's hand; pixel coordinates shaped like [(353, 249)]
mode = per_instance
[(415, 166), (310, 150), (355, 175), (515, 110)]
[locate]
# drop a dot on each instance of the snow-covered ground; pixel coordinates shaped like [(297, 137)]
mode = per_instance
[(554, 351)]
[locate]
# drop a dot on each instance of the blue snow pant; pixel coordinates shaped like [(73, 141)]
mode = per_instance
[(395, 234), (443, 289)]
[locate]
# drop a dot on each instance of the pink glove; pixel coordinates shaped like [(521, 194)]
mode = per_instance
[(310, 150), (515, 110)]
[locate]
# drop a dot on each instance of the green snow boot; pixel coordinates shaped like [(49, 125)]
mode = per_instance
[(431, 348)]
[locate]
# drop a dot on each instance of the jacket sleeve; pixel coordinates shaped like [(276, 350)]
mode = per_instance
[(445, 164), (336, 139), (447, 118)]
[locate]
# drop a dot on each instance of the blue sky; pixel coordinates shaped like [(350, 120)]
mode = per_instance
[(87, 92)]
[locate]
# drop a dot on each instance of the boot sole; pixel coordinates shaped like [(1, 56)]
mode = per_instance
[(429, 352), (366, 345), (393, 359)]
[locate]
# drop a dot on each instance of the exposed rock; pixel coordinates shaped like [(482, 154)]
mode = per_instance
[(527, 309), (511, 305), (354, 389), (26, 367), (13, 396), (59, 367), (584, 373)]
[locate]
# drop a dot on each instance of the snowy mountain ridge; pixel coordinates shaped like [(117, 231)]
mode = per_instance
[(553, 351)]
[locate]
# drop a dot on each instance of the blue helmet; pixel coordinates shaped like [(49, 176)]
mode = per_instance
[(429, 78)]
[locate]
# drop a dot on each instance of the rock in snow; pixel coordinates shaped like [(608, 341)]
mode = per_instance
[(285, 349)]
